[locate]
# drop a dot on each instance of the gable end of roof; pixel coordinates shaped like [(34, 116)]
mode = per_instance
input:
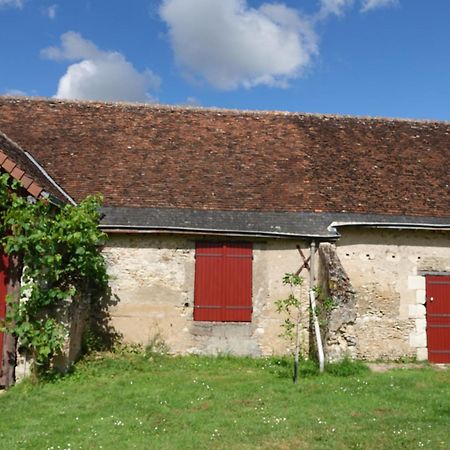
[(20, 165)]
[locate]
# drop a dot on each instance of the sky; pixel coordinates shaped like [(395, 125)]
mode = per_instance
[(387, 58)]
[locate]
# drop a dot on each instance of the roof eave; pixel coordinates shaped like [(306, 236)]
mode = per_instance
[(117, 229)]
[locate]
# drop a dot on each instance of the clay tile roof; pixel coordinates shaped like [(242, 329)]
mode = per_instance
[(169, 157), (21, 167)]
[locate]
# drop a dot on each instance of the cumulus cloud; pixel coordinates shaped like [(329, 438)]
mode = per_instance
[(230, 44), (99, 74), (11, 3), (73, 46), (368, 5)]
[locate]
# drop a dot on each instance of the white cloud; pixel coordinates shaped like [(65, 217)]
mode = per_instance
[(368, 5), (51, 11), (15, 93), (11, 3), (99, 75), (73, 47), (230, 44), (192, 101), (336, 7)]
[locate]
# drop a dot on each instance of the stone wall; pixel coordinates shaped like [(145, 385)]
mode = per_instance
[(337, 298), (153, 279), (387, 268)]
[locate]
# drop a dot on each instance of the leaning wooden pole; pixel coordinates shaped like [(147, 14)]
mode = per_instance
[(312, 300), (9, 353)]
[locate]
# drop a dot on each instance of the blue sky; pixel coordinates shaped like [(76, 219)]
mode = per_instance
[(359, 57)]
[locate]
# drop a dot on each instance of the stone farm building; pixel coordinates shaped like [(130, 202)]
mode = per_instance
[(207, 209)]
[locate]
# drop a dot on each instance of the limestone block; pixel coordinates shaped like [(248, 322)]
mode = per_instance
[(420, 296), (421, 325), (418, 339), (422, 354), (416, 282), (416, 311)]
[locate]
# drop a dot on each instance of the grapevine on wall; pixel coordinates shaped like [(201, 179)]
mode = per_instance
[(59, 253)]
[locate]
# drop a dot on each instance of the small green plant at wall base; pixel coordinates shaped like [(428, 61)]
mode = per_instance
[(324, 305), (291, 308), (60, 252)]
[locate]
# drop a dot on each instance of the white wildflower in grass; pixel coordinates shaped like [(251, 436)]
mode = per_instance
[(215, 434), (274, 421)]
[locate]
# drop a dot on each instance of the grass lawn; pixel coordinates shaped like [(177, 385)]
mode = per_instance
[(134, 401)]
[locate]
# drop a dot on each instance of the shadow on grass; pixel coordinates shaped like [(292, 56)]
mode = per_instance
[(283, 368)]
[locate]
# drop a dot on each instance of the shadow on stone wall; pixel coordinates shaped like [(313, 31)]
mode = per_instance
[(88, 323), (100, 335)]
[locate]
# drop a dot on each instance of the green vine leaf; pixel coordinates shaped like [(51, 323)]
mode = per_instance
[(60, 249)]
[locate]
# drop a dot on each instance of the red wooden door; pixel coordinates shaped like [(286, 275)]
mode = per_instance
[(223, 282), (3, 267), (438, 318)]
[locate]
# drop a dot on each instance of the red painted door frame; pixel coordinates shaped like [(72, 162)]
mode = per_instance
[(3, 286), (438, 318)]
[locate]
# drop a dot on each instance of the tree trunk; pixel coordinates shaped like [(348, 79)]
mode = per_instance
[(9, 354)]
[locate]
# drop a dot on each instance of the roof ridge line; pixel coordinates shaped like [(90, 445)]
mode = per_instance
[(213, 109)]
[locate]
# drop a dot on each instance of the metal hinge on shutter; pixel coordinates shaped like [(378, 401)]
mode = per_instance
[(239, 307), (208, 254), (224, 307), (207, 306)]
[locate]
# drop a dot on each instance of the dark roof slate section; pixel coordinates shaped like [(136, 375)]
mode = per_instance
[(276, 224), (201, 159)]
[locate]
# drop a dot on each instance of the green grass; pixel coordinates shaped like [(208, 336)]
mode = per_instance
[(133, 401)]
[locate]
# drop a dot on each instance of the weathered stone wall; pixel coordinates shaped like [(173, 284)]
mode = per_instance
[(386, 268), (153, 278), (337, 298), (75, 315)]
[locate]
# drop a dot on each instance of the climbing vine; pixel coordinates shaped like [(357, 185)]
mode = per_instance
[(59, 249)]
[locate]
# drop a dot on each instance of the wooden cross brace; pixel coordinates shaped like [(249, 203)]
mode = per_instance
[(305, 264)]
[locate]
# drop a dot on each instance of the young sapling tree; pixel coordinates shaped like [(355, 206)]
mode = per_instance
[(291, 307)]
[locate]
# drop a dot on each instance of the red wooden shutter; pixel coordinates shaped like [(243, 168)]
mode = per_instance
[(3, 281), (223, 282), (438, 318)]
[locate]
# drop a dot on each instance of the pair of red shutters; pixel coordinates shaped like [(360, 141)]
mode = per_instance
[(223, 282)]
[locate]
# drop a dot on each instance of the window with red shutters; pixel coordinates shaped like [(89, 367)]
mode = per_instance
[(223, 282)]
